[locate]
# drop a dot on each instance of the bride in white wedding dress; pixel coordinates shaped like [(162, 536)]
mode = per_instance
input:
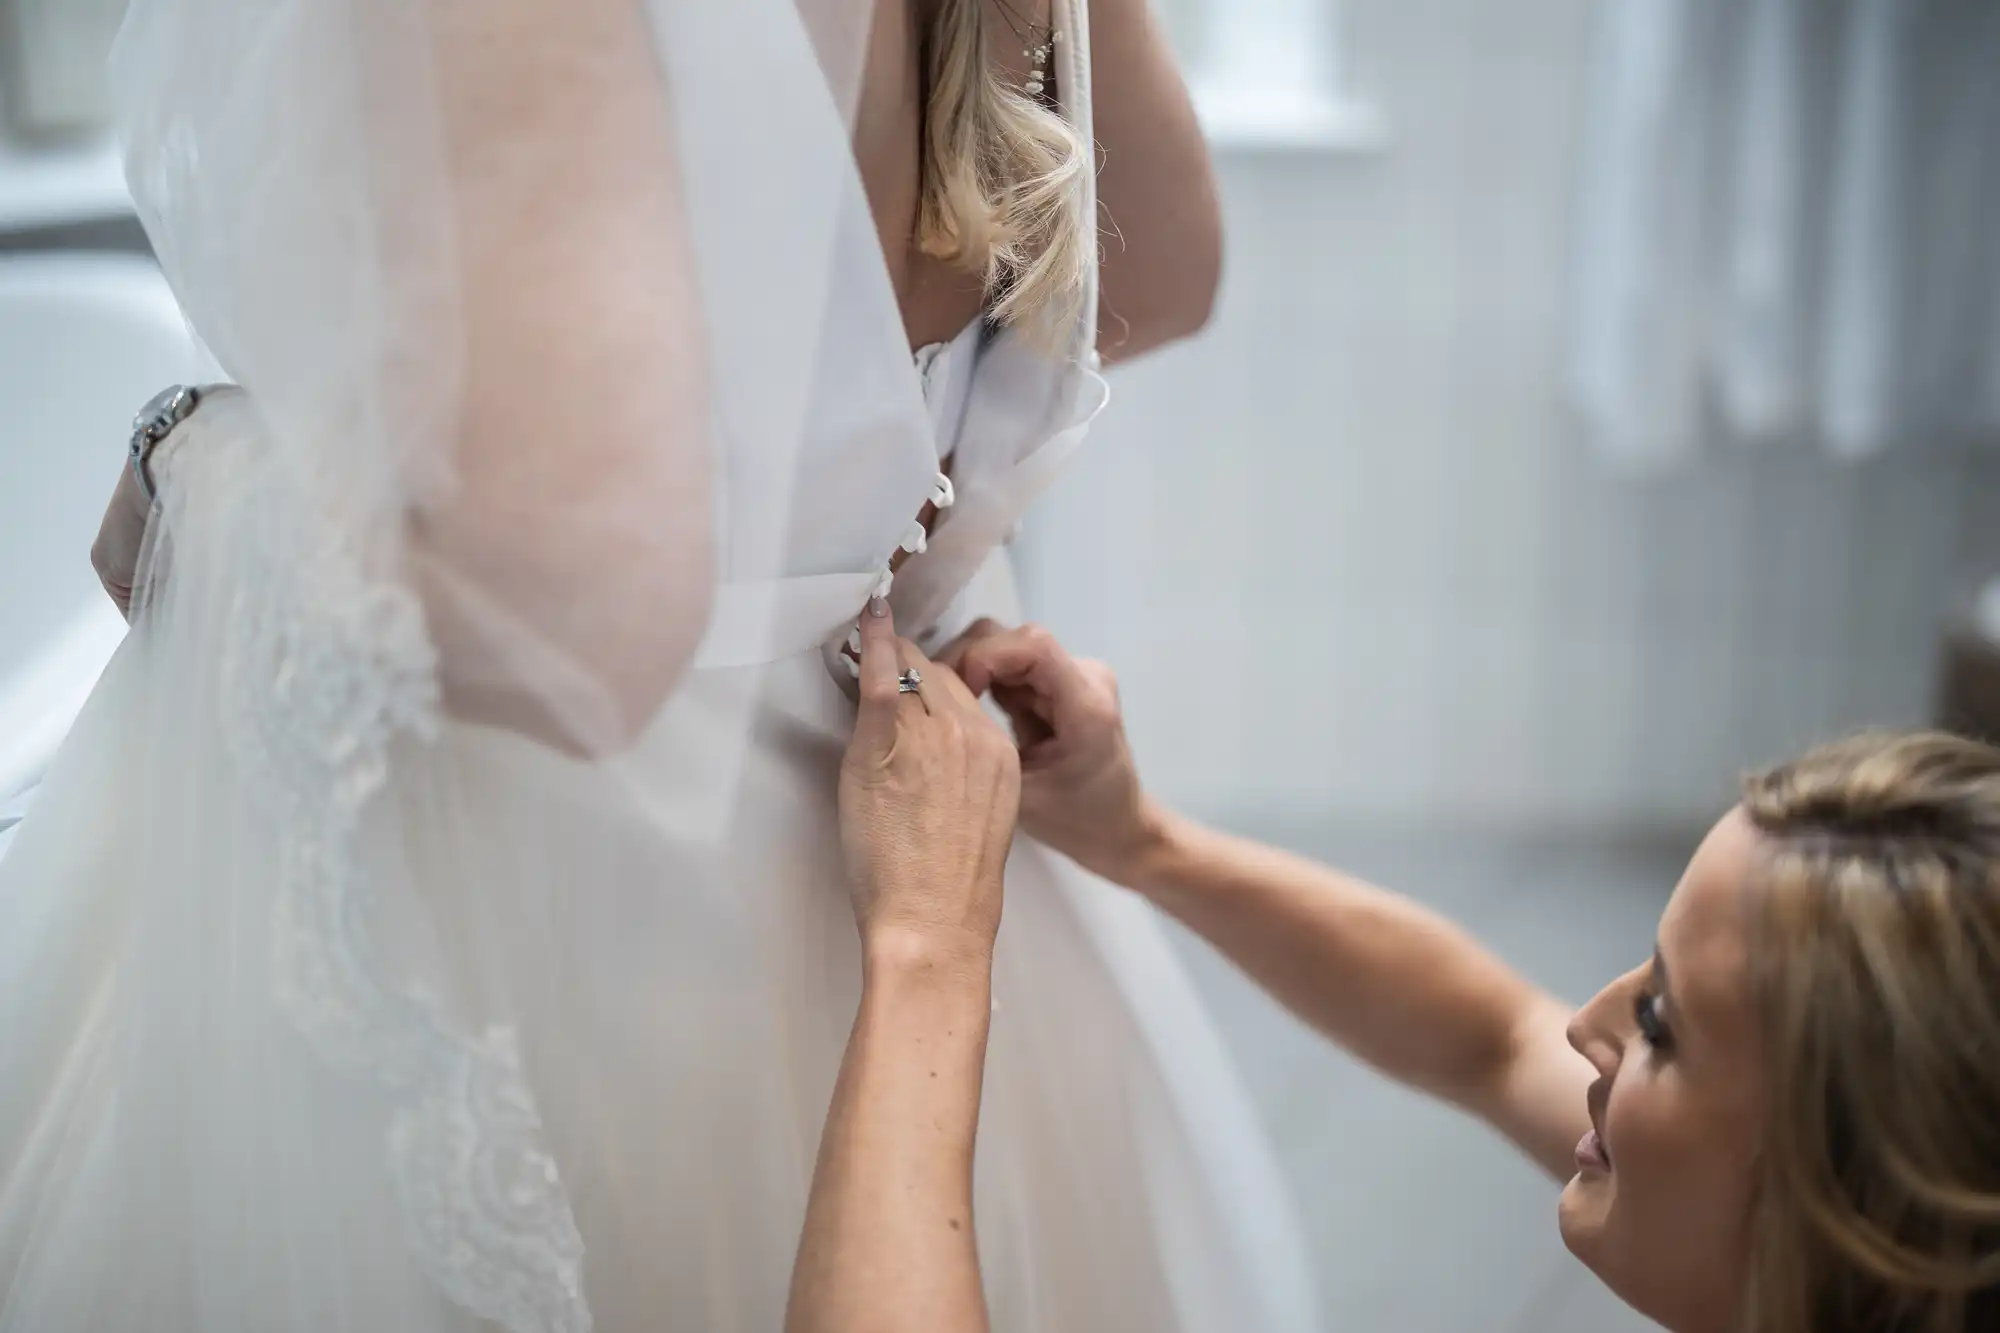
[(436, 921)]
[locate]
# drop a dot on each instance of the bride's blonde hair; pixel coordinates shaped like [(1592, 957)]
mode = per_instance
[(1003, 180)]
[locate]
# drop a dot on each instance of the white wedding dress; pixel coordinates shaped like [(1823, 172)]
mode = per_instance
[(323, 1012)]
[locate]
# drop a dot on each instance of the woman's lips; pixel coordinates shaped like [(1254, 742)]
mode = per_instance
[(1590, 1153)]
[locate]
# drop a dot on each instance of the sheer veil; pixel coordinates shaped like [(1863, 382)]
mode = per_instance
[(573, 393)]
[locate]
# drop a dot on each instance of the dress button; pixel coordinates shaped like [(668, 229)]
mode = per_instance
[(842, 669)]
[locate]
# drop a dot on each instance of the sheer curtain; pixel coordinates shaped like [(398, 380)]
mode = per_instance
[(1787, 227)]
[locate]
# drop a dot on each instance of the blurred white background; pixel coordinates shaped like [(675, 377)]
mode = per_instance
[(1372, 587), (1357, 563)]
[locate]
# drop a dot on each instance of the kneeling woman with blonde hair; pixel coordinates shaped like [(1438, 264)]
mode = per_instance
[(1786, 1120)]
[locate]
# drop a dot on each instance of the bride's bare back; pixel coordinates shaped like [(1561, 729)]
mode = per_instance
[(937, 299), (1158, 228)]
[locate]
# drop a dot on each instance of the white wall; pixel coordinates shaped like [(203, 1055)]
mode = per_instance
[(1351, 564)]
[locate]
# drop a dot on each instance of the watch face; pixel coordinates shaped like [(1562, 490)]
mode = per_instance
[(160, 410)]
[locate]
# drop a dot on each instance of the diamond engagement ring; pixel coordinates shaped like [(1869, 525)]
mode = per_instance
[(907, 682)]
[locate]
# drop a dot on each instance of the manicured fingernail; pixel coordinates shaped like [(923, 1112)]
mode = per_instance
[(878, 607)]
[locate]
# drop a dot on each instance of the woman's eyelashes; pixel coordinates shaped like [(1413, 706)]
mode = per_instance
[(1652, 1026)]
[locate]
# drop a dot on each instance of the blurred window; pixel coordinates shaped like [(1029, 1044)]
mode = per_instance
[(1269, 72)]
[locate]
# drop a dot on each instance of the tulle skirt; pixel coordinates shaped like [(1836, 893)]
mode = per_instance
[(531, 1046)]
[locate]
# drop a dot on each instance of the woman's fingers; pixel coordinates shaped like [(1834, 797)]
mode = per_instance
[(929, 794), (1024, 657), (1002, 659), (1045, 692), (885, 659), (881, 669), (115, 553), (954, 652), (944, 689)]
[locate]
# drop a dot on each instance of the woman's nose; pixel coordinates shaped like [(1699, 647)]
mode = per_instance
[(1597, 1032)]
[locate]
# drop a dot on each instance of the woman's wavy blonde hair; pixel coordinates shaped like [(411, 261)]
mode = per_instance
[(1003, 181), (1880, 982)]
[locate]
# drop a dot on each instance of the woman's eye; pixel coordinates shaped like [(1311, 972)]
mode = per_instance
[(1653, 1028)]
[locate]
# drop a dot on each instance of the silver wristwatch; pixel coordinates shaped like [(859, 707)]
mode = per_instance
[(156, 420)]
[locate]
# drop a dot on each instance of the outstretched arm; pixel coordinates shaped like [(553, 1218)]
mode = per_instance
[(1393, 982)]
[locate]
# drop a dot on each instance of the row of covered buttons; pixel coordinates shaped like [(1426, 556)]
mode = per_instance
[(915, 540)]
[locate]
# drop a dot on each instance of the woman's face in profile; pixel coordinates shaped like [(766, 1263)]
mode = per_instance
[(1660, 1208)]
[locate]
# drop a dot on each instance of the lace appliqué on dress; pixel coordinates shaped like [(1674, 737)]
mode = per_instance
[(325, 665), (485, 1200)]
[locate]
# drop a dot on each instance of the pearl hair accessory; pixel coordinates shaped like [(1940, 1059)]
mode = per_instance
[(1041, 39)]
